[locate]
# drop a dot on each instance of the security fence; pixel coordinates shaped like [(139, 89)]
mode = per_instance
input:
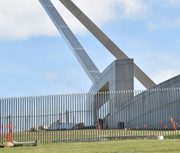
[(91, 116)]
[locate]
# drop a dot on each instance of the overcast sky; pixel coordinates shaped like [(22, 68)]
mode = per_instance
[(35, 60)]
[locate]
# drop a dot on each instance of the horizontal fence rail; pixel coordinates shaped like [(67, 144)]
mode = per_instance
[(91, 116)]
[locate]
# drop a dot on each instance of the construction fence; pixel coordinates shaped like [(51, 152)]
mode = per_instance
[(91, 116)]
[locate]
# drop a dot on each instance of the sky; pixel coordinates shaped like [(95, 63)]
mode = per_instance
[(35, 60)]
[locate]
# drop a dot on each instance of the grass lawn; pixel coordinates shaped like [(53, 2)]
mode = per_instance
[(120, 146), (75, 135)]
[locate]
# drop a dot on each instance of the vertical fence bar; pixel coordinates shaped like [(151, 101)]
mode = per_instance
[(84, 111)]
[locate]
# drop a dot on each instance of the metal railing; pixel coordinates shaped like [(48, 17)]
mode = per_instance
[(91, 116)]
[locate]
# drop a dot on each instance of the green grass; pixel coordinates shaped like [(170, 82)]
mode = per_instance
[(120, 146), (75, 135)]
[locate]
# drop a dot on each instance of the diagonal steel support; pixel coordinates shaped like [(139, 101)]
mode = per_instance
[(85, 61), (109, 44)]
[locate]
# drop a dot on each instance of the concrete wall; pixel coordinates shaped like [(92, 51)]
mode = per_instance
[(119, 75), (116, 77)]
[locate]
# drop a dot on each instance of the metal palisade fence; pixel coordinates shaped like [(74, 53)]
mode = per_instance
[(91, 116)]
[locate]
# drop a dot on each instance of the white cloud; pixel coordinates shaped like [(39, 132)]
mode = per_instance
[(21, 19), (100, 11), (166, 3), (163, 75), (167, 14), (158, 77), (163, 24), (132, 9), (26, 18)]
